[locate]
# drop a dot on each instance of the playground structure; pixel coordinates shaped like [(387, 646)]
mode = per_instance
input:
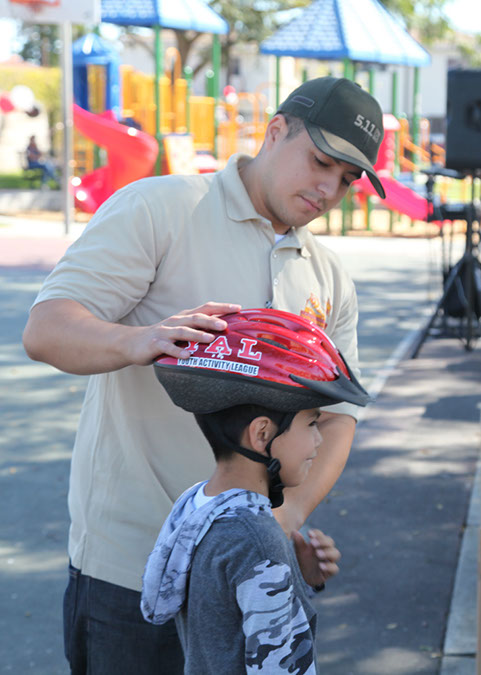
[(205, 134), (131, 155), (217, 128), (199, 133)]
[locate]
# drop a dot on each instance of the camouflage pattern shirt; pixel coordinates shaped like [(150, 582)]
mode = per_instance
[(230, 578)]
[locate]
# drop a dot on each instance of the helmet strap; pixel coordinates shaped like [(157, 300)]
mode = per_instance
[(273, 465)]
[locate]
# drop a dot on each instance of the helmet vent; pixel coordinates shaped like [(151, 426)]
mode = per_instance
[(273, 342)]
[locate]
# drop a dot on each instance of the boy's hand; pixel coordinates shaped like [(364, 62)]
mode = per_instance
[(317, 557)]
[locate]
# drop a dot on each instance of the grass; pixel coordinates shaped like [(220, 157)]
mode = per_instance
[(29, 179)]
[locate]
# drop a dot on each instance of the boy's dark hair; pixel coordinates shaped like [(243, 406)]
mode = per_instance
[(224, 427)]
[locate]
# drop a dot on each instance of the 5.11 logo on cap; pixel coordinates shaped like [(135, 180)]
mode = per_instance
[(368, 127)]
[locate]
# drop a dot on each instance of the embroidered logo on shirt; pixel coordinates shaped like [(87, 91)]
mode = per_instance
[(313, 311)]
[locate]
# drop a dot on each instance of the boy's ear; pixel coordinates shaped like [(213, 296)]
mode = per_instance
[(259, 432)]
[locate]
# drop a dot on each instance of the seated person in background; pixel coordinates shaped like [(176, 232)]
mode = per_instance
[(35, 161), (222, 565)]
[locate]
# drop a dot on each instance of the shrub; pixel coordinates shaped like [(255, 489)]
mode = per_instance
[(46, 86)]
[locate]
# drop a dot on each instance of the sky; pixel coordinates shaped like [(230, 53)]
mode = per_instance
[(465, 15)]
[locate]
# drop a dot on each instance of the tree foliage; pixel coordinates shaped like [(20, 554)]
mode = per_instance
[(425, 17), (471, 51), (249, 21), (45, 84), (252, 20), (41, 44)]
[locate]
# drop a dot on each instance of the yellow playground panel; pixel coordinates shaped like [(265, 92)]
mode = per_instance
[(235, 127), (411, 155), (242, 126), (183, 113), (222, 129)]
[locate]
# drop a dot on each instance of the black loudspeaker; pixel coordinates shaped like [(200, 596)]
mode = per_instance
[(463, 110)]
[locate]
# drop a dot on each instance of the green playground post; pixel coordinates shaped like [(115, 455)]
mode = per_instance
[(348, 69), (188, 75), (216, 65), (278, 81), (395, 112), (209, 83), (346, 204), (372, 77), (416, 117), (216, 57), (416, 111), (158, 71)]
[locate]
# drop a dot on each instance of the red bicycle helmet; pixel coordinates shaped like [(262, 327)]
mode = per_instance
[(266, 357)]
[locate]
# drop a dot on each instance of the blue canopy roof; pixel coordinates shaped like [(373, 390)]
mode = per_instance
[(359, 30), (91, 48), (180, 14)]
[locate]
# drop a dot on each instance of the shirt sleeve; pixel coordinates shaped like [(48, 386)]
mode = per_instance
[(344, 337), (110, 268), (278, 636)]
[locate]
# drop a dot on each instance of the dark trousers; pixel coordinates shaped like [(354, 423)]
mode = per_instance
[(106, 634)]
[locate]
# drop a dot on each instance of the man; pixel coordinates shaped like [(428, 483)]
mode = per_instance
[(117, 300)]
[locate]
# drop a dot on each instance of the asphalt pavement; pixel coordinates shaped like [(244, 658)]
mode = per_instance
[(399, 514), (404, 513)]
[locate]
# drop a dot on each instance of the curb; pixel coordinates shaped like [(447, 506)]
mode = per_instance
[(460, 644)]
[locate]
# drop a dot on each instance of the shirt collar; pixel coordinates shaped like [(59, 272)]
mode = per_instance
[(296, 237), (238, 203)]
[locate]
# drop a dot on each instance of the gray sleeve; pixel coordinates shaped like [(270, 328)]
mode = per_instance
[(277, 633)]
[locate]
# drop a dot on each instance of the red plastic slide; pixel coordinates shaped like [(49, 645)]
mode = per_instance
[(398, 197), (131, 155)]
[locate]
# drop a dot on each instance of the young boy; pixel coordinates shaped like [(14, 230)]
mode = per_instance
[(222, 566)]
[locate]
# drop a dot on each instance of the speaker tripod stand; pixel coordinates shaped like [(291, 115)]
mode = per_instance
[(462, 282)]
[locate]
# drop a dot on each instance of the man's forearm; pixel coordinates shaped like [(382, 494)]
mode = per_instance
[(337, 435), (66, 335)]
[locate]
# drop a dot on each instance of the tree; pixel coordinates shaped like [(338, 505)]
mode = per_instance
[(41, 44), (249, 21), (252, 21), (425, 17), (470, 50)]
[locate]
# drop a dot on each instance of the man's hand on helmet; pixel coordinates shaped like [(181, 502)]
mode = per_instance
[(190, 325)]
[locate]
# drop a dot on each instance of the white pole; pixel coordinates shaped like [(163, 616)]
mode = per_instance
[(67, 107)]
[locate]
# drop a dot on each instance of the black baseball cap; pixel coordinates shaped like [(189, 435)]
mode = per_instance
[(343, 120)]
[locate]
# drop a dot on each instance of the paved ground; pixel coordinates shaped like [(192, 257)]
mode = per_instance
[(398, 513)]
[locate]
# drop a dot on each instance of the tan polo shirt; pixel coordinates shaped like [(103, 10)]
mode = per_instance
[(156, 247)]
